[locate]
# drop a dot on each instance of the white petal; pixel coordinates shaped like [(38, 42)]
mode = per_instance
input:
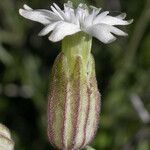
[(96, 11), (27, 7), (103, 32), (56, 6), (117, 31), (88, 21), (41, 15), (95, 8), (35, 16), (58, 12), (121, 16), (114, 21), (69, 13), (82, 12), (48, 28), (51, 15), (100, 17), (62, 30), (69, 4)]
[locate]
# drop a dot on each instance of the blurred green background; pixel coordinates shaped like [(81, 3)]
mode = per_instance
[(122, 68)]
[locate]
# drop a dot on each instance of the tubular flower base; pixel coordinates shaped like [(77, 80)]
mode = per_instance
[(6, 143), (74, 100)]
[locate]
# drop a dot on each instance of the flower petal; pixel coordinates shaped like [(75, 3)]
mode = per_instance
[(27, 7), (113, 21), (88, 21), (117, 31), (50, 14), (58, 12), (40, 15), (97, 10), (48, 28), (100, 17), (82, 12), (69, 4), (121, 16), (70, 13), (63, 29), (102, 33)]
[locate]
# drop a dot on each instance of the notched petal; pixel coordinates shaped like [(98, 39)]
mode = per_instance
[(130, 21), (48, 28), (121, 16), (35, 16), (27, 7), (102, 33), (117, 31), (62, 30)]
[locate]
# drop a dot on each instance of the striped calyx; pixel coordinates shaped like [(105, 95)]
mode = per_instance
[(6, 143), (74, 99)]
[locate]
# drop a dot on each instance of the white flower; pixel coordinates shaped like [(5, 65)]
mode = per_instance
[(70, 21)]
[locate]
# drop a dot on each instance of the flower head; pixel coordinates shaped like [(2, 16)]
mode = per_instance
[(61, 23)]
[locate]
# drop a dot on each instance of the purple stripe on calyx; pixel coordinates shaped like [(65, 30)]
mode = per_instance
[(51, 95), (87, 115), (77, 98), (64, 117)]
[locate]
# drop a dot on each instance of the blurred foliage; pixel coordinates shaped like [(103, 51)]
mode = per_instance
[(123, 70)]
